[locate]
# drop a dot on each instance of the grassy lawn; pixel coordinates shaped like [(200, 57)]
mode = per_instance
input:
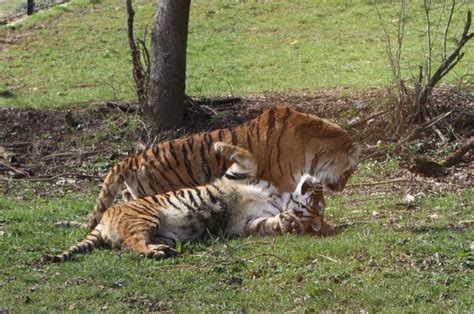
[(78, 53), (398, 259)]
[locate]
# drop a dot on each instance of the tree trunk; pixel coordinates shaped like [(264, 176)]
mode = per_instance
[(169, 36)]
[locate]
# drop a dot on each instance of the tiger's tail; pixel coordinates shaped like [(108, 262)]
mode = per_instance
[(92, 241), (112, 183), (70, 223)]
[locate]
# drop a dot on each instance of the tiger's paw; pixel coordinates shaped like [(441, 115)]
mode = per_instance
[(289, 223), (159, 251)]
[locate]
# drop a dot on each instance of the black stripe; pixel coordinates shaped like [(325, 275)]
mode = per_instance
[(224, 165), (186, 204), (205, 164), (168, 199), (152, 179), (282, 132), (219, 135), (173, 152), (137, 208), (218, 156), (178, 177), (192, 198), (157, 200), (89, 245), (188, 166), (246, 228), (259, 224), (234, 136), (101, 205), (135, 163), (271, 124), (249, 141), (215, 186), (137, 220), (156, 150), (129, 162), (208, 141), (236, 176), (211, 196), (291, 172), (190, 142), (148, 210), (258, 130), (147, 200), (140, 187), (145, 156)]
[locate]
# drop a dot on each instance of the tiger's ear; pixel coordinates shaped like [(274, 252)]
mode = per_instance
[(306, 184), (305, 188), (355, 150)]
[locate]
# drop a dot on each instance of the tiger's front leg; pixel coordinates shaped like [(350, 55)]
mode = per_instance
[(284, 222)]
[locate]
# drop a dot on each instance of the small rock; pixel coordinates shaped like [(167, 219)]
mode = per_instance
[(434, 216), (409, 199)]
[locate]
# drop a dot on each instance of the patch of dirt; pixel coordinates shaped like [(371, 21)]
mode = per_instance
[(82, 144)]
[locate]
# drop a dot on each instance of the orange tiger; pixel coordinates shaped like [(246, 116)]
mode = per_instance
[(285, 143), (232, 205)]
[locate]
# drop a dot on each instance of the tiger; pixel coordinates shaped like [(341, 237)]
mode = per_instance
[(235, 204), (286, 143)]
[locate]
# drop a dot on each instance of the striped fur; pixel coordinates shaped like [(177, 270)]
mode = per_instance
[(236, 204), (286, 144)]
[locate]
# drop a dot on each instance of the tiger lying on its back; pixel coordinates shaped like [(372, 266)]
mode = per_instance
[(151, 226), (285, 143)]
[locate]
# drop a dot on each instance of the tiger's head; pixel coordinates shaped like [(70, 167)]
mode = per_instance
[(335, 167), (308, 203), (333, 155)]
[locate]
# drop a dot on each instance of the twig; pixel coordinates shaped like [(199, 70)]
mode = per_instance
[(456, 157), (426, 6), (378, 183), (70, 223), (51, 178), (69, 154), (367, 119), (135, 53), (447, 29), (449, 62), (413, 135), (435, 129), (366, 199), (268, 255), (14, 169), (329, 258), (15, 145), (126, 108), (201, 108)]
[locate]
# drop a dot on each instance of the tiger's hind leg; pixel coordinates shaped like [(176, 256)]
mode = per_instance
[(245, 164), (139, 243)]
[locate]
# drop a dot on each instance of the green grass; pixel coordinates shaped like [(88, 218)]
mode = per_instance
[(76, 54), (402, 260), (398, 259)]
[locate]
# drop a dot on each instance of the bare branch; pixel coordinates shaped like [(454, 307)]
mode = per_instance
[(426, 5), (447, 29), (138, 73), (449, 62)]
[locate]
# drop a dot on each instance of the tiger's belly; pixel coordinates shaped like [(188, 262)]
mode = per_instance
[(193, 225), (250, 210)]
